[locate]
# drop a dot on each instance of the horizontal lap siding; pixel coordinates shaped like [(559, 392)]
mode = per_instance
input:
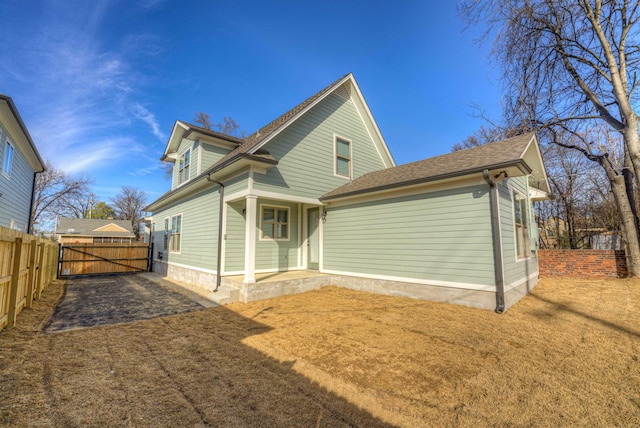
[(305, 151), (15, 189), (234, 235), (199, 229), (515, 270), (210, 154), (440, 236), (280, 255)]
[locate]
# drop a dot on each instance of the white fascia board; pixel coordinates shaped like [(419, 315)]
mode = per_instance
[(300, 114), (371, 125), (174, 141), (532, 156), (416, 189)]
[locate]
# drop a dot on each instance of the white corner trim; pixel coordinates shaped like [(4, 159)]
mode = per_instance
[(449, 284)]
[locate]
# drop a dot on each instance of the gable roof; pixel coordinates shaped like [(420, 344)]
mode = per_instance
[(251, 148), (94, 227), (518, 155), (29, 149)]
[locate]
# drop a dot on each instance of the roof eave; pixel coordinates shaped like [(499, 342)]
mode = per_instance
[(520, 165), (14, 111), (215, 173)]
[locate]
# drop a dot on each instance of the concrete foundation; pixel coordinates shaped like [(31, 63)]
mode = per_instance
[(434, 293), (271, 285)]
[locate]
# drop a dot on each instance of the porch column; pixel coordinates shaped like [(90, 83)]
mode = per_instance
[(250, 240)]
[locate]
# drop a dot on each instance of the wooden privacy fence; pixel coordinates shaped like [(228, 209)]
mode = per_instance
[(94, 259), (27, 266)]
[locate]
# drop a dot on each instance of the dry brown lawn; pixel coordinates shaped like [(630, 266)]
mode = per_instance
[(566, 355)]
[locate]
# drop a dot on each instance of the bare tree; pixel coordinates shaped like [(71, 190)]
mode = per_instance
[(567, 64), (56, 193), (128, 205)]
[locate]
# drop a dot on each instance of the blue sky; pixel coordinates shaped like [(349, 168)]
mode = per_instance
[(100, 84)]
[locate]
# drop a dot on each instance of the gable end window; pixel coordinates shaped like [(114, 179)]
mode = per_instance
[(274, 223), (176, 233), (8, 158), (523, 249), (343, 157), (183, 166)]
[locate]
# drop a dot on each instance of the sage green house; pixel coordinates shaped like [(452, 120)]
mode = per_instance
[(317, 191)]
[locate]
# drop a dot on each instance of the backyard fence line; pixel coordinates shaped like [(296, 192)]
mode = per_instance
[(27, 266)]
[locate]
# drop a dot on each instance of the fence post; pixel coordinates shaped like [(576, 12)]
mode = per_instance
[(32, 271), (15, 277), (41, 270)]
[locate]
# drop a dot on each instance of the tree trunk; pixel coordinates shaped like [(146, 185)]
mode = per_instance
[(627, 221)]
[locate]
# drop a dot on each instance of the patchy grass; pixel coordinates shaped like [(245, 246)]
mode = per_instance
[(565, 355)]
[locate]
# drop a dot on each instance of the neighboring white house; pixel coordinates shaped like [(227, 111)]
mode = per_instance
[(20, 162)]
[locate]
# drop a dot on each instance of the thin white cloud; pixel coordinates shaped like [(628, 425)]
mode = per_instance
[(149, 118)]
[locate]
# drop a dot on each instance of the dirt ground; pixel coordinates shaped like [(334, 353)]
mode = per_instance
[(566, 355)]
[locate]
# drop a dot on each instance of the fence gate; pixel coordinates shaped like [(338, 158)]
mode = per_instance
[(96, 259)]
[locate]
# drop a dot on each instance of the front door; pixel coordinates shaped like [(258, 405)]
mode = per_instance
[(313, 239)]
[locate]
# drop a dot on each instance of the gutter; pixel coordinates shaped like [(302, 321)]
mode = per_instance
[(520, 164), (220, 209), (494, 199), (33, 195)]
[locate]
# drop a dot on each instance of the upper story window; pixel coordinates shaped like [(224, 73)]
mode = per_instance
[(275, 223), (8, 157), (343, 157), (523, 248), (183, 166)]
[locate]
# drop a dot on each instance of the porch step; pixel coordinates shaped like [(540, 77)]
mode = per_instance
[(224, 295)]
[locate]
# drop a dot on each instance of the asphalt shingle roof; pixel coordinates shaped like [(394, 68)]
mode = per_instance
[(87, 227), (458, 163)]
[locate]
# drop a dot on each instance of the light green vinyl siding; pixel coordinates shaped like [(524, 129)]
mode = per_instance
[(306, 152), (443, 236), (235, 236), (236, 184), (16, 188), (514, 269), (210, 154), (199, 229), (277, 254)]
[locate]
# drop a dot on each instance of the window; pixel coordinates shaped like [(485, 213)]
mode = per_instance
[(343, 157), (183, 166), (275, 223), (176, 233), (165, 244), (8, 157), (523, 248)]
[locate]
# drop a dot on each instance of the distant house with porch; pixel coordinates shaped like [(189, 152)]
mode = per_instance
[(317, 191), (20, 162), (94, 231)]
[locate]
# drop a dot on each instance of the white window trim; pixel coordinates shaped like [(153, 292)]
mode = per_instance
[(7, 143), (188, 177), (171, 234), (515, 231), (279, 207), (166, 232), (337, 137)]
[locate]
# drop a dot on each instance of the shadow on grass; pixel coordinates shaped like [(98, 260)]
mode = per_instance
[(566, 308), (191, 369)]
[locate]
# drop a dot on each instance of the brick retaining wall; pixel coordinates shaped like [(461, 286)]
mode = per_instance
[(582, 263)]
